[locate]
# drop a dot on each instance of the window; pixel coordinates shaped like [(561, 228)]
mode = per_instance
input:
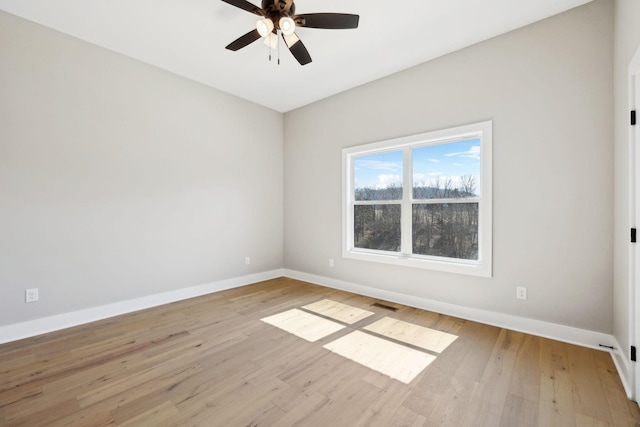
[(422, 201)]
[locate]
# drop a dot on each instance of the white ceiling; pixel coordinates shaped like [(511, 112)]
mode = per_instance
[(188, 37)]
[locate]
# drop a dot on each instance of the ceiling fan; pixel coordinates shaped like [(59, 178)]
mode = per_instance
[(279, 15)]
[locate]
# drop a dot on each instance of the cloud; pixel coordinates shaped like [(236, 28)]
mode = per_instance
[(471, 153), (434, 160), (385, 181), (419, 177)]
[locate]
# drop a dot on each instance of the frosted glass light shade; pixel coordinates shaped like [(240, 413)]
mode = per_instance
[(271, 40), (264, 27), (287, 25)]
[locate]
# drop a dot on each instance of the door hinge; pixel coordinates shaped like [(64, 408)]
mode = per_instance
[(633, 353), (633, 117), (633, 235)]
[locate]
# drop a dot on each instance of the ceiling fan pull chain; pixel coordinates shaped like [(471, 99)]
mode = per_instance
[(278, 41)]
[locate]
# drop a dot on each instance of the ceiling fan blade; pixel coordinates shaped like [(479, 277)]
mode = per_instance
[(244, 40), (297, 48), (245, 5), (329, 21)]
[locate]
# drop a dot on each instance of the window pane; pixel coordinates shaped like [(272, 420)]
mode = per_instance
[(447, 171), (378, 176), (446, 230), (377, 227)]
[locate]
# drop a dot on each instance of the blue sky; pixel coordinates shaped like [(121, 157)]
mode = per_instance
[(442, 161)]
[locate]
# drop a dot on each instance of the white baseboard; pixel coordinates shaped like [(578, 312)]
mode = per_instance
[(623, 367), (558, 332), (554, 331), (66, 320)]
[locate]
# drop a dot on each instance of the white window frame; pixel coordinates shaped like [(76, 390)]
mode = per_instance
[(483, 265)]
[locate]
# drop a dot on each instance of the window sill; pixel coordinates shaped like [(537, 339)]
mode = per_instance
[(471, 268)]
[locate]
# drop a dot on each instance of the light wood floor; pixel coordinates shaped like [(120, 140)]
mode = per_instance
[(210, 361)]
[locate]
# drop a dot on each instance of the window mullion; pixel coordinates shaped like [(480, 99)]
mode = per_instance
[(350, 201), (407, 196)]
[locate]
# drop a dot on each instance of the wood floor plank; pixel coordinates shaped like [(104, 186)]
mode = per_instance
[(180, 390), (20, 396), (428, 392), (586, 421), (210, 361), (482, 341), (317, 372), (519, 412), (453, 404), (11, 359), (407, 418), (488, 401), (607, 371), (525, 381), (92, 378), (623, 411), (556, 400), (46, 415), (115, 396), (587, 392), (348, 409), (299, 408), (384, 405), (268, 416), (153, 417)]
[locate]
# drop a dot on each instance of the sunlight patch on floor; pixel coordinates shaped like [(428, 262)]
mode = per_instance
[(338, 311), (395, 360), (386, 352), (303, 325), (419, 336)]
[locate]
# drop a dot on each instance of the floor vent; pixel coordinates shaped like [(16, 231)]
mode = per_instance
[(385, 306)]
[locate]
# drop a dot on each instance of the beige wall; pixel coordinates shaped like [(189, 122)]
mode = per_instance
[(548, 89), (119, 180)]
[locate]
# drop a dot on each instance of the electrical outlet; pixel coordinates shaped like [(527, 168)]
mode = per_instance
[(247, 260), (331, 264), (31, 295), (521, 293)]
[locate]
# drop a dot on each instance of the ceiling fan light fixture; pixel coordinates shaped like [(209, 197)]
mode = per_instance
[(264, 27), (287, 25), (279, 16), (271, 40)]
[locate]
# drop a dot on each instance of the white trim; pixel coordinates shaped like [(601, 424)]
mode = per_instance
[(633, 372), (624, 370), (568, 334), (66, 320), (563, 333)]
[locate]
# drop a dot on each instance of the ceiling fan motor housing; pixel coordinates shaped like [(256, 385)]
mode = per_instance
[(276, 9)]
